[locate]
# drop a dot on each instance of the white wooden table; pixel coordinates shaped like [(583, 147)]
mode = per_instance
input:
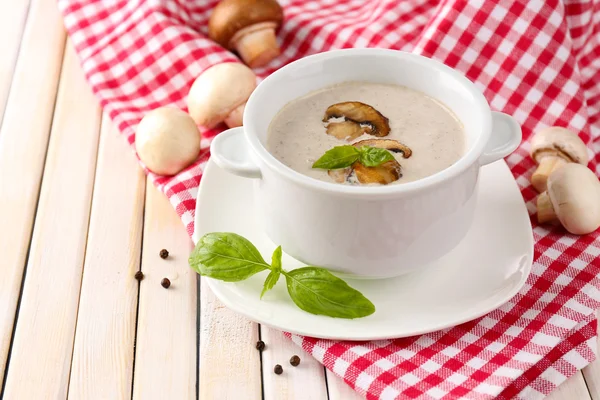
[(77, 220)]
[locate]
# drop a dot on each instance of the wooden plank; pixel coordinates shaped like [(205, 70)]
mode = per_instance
[(229, 362), (13, 15), (573, 388), (339, 390), (591, 373), (23, 142), (43, 344), (304, 382), (165, 363), (102, 364)]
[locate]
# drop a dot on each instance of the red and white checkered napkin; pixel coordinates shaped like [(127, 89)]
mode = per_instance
[(535, 59)]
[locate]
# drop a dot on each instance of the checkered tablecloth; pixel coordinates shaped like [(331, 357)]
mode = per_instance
[(538, 60)]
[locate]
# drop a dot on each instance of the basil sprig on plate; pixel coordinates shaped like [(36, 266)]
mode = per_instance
[(230, 257), (344, 156)]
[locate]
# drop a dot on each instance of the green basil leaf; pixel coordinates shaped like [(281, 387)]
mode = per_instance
[(271, 280), (226, 256), (273, 276), (338, 157), (317, 291), (374, 156), (276, 259)]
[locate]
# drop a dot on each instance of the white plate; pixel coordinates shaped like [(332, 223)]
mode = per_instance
[(486, 269)]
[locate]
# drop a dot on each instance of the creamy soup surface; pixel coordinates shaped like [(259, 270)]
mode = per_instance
[(297, 135)]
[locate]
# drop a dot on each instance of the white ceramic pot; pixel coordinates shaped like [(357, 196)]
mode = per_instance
[(370, 232)]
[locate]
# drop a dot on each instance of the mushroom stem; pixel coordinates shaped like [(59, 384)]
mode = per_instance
[(235, 117), (545, 210), (541, 174), (256, 44)]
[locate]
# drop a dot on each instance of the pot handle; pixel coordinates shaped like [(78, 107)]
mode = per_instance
[(230, 151), (506, 137)]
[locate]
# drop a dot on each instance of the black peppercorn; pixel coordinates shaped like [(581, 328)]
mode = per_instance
[(295, 361), (260, 345), (164, 253), (139, 275), (278, 369), (165, 283)]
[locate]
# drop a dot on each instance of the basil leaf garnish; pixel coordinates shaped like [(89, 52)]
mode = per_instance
[(318, 291), (270, 282), (338, 157), (275, 273), (374, 156), (344, 156), (226, 256), (276, 258), (230, 257)]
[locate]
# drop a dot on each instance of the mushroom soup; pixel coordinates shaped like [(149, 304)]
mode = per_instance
[(422, 135)]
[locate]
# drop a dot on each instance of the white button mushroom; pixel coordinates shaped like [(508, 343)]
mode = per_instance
[(572, 198), (167, 140), (220, 94), (552, 148), (248, 27)]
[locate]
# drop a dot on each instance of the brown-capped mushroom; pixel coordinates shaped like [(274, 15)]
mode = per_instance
[(385, 173), (359, 118), (220, 93), (552, 148), (248, 27), (167, 140), (572, 198)]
